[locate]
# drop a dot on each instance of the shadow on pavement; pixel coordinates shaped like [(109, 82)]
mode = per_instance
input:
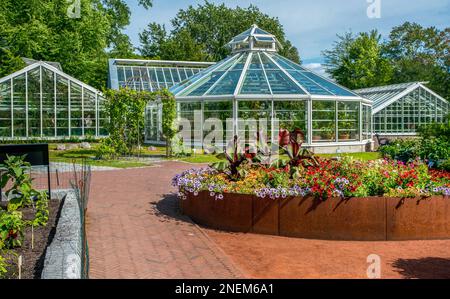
[(423, 268), (168, 209)]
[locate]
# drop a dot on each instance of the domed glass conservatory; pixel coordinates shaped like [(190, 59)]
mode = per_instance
[(255, 82)]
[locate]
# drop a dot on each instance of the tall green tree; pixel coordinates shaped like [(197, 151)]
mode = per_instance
[(420, 54), (43, 30), (201, 33), (358, 61)]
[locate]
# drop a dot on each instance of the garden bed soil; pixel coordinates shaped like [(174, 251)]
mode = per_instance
[(33, 259)]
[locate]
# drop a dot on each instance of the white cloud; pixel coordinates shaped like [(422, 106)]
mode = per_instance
[(317, 68)]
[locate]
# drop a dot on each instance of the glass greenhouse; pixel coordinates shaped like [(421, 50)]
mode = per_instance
[(151, 75), (40, 101), (400, 109), (256, 82)]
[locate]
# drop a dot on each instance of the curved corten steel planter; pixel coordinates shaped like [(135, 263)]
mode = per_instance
[(364, 219)]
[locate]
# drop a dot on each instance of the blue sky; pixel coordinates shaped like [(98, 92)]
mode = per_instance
[(311, 25)]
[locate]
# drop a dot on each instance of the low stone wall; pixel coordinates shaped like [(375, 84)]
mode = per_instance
[(63, 256), (364, 219)]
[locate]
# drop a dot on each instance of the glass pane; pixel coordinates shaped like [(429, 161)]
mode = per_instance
[(324, 121), (283, 62), (267, 63), (89, 113), (328, 85), (255, 64), (121, 76), (128, 77), (213, 77), (34, 104), (19, 111), (102, 116), (255, 83), (136, 80), (280, 83), (201, 85), (62, 106), (186, 110), (259, 111), (291, 115), (76, 119), (161, 79), (175, 76), (5, 109), (367, 121), (152, 125), (182, 73), (348, 121), (308, 84), (168, 76), (215, 110), (48, 103), (227, 84)]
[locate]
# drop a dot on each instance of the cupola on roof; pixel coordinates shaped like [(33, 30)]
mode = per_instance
[(256, 69), (254, 39)]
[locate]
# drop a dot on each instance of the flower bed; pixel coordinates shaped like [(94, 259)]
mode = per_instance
[(330, 178), (333, 199)]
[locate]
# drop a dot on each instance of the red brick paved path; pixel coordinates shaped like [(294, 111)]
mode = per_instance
[(135, 231)]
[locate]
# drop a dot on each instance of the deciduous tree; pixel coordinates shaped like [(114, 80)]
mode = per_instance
[(201, 33), (358, 61)]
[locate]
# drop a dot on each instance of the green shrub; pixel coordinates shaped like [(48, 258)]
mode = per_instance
[(11, 229), (440, 130), (111, 148), (434, 149), (405, 150), (445, 165)]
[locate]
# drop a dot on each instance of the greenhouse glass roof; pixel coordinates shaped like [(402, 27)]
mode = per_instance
[(256, 69), (383, 96)]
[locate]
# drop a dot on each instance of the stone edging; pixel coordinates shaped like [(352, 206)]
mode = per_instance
[(63, 257)]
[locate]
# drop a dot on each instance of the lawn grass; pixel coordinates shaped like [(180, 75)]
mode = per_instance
[(69, 156), (159, 151), (201, 158), (359, 156)]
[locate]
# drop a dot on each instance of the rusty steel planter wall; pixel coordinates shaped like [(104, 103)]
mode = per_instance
[(364, 219)]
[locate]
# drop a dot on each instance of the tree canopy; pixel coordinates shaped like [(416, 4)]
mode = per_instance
[(357, 61), (201, 33), (410, 53), (420, 54), (43, 30)]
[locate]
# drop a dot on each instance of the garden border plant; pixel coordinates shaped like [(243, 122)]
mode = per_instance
[(432, 146), (21, 194)]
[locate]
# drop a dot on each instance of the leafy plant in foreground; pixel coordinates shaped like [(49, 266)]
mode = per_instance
[(11, 229), (298, 155), (42, 212), (235, 158), (21, 192)]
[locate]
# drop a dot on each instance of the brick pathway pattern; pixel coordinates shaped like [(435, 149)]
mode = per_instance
[(135, 230)]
